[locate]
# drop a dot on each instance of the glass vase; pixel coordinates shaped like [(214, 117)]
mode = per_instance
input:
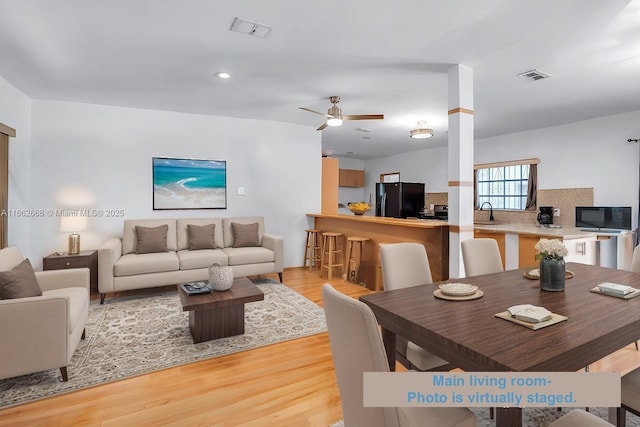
[(552, 275)]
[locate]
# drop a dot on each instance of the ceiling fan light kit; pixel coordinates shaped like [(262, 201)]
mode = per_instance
[(421, 132), (335, 117)]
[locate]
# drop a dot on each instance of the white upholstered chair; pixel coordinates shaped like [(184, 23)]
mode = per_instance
[(356, 346), (481, 256), (39, 333), (579, 418), (405, 265), (635, 261)]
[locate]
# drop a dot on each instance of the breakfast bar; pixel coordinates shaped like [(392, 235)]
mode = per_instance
[(433, 234)]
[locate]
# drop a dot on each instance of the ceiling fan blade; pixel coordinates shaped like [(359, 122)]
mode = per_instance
[(324, 125), (312, 111), (362, 116)]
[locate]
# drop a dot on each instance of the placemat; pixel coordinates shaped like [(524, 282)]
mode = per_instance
[(438, 294), (535, 274), (555, 318), (633, 294)]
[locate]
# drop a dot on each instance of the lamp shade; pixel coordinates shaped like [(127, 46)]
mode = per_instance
[(73, 223)]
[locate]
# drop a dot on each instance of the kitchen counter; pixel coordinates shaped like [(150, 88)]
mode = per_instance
[(402, 222), (565, 233), (433, 234)]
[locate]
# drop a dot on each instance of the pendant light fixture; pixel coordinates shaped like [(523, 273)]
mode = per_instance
[(422, 132)]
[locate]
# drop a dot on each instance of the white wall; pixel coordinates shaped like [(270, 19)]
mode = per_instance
[(102, 154), (15, 112), (592, 153)]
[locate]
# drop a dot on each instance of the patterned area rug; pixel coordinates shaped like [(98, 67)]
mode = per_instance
[(133, 335), (537, 417)]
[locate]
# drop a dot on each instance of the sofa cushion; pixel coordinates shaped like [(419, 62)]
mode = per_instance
[(78, 304), (228, 234), (151, 239), (254, 255), (245, 235), (19, 282), (183, 236), (132, 264), (201, 236), (129, 236), (203, 258)]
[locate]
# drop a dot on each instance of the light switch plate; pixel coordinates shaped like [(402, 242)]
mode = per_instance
[(241, 190)]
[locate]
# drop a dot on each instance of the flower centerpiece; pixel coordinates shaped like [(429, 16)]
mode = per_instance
[(358, 208), (551, 253)]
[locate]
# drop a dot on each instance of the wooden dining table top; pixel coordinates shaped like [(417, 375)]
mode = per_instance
[(468, 335)]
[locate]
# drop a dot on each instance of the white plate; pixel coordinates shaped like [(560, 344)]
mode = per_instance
[(458, 289)]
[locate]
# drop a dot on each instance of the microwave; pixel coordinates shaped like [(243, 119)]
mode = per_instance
[(607, 217)]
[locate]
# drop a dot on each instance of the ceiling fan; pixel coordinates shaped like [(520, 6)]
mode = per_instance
[(335, 117)]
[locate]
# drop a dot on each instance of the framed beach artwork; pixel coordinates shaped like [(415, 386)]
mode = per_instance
[(189, 183)]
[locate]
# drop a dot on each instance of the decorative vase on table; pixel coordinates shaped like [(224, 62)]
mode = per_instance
[(220, 277), (552, 274), (551, 253)]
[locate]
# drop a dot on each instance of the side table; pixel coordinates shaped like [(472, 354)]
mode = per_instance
[(85, 259)]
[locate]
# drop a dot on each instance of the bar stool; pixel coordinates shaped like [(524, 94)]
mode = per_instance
[(332, 251), (313, 250), (354, 244)]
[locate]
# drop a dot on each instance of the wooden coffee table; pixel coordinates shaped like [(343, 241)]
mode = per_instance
[(219, 314)]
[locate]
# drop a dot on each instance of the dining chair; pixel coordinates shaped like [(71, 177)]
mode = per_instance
[(405, 265), (629, 397), (481, 256), (357, 347), (579, 418)]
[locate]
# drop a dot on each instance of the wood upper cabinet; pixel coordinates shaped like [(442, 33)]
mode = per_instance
[(351, 178)]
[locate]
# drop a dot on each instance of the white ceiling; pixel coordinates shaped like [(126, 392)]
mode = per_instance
[(387, 57)]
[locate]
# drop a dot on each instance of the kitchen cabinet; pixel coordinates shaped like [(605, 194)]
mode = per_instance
[(527, 251), (497, 236), (351, 178), (581, 250)]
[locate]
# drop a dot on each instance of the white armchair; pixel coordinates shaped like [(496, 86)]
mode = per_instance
[(42, 332)]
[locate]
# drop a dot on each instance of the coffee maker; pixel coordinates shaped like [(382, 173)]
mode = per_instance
[(545, 216)]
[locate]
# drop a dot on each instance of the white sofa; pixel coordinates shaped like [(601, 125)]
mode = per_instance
[(38, 333), (121, 268)]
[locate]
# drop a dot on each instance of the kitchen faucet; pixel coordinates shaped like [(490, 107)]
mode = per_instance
[(490, 210)]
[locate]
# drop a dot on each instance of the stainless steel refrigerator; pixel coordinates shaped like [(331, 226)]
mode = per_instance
[(399, 199)]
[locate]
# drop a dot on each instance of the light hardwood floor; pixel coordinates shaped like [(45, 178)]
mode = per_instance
[(287, 384)]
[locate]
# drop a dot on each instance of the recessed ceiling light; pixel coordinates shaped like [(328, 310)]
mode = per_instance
[(223, 75)]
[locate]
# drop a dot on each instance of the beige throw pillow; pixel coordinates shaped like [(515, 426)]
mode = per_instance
[(201, 236), (19, 282), (151, 239), (245, 235)]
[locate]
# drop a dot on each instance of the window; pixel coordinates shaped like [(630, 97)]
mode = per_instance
[(506, 185)]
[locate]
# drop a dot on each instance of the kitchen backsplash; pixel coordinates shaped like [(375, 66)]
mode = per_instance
[(565, 199)]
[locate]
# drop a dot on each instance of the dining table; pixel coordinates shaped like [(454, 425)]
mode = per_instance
[(467, 333)]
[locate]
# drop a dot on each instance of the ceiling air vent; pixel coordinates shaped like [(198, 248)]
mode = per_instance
[(249, 27), (534, 75)]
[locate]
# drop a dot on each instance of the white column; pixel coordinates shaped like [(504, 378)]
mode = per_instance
[(460, 170)]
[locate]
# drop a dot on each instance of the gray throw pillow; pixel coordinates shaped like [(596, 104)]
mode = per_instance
[(245, 235), (201, 236), (19, 282), (151, 239)]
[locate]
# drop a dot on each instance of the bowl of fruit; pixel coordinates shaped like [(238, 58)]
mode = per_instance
[(358, 208)]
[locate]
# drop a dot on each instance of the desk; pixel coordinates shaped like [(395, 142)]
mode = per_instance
[(467, 334)]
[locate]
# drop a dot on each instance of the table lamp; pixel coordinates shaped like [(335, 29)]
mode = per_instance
[(73, 224)]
